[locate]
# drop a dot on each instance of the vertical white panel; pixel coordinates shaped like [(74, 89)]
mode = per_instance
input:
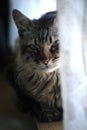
[(70, 26)]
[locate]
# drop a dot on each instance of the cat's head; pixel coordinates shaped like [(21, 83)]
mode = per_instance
[(38, 40)]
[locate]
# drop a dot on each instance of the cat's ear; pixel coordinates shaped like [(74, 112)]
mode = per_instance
[(21, 21), (55, 20)]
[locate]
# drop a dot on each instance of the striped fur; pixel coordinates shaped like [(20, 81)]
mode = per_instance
[(37, 62)]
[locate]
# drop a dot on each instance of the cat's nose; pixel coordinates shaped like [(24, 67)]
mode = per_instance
[(45, 61)]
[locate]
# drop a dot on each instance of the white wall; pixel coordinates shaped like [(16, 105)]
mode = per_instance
[(72, 29)]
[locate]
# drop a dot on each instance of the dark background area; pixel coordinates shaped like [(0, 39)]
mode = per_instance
[(4, 33)]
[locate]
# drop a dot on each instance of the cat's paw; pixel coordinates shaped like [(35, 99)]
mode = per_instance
[(50, 116)]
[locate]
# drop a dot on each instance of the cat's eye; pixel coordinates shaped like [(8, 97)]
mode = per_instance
[(55, 46), (33, 48)]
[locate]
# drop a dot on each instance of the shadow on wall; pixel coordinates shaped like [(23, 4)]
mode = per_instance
[(4, 24)]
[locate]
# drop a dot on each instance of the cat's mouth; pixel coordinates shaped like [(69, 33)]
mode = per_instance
[(50, 67)]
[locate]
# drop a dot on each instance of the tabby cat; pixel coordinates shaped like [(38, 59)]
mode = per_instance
[(36, 65)]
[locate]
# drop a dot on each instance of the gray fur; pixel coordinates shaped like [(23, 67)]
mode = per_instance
[(37, 39)]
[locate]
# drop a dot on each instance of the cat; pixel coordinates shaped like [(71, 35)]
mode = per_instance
[(36, 65)]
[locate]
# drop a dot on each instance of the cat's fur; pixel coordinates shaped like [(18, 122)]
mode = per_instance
[(36, 65)]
